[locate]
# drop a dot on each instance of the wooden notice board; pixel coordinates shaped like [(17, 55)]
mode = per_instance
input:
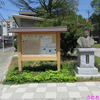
[(41, 44)]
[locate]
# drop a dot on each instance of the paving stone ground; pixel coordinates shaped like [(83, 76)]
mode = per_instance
[(50, 91)]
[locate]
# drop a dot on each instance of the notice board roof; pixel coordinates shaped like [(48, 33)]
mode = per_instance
[(37, 29), (18, 17)]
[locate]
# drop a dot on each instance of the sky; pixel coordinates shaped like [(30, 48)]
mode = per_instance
[(84, 7), (9, 9)]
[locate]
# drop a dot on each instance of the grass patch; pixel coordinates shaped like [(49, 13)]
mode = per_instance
[(40, 72), (96, 46), (97, 62)]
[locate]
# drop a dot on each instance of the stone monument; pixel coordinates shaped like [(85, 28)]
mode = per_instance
[(85, 66)]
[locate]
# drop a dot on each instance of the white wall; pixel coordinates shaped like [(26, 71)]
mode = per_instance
[(5, 26), (5, 29)]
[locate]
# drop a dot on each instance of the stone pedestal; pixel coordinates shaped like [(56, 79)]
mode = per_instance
[(85, 66)]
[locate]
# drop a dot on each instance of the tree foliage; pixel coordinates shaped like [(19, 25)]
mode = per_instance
[(96, 6), (1, 3), (49, 7), (95, 18)]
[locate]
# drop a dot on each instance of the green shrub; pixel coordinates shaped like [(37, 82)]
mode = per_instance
[(44, 72), (96, 46), (97, 62), (15, 44), (55, 76), (66, 74), (14, 77)]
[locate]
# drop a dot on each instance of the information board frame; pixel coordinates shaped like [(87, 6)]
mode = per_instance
[(21, 31)]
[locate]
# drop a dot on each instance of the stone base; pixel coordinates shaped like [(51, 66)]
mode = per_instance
[(86, 71), (88, 76)]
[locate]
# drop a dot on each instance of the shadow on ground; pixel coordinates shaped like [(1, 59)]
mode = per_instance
[(38, 68)]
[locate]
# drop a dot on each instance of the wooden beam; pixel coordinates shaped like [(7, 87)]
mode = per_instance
[(39, 58), (45, 33), (58, 50), (19, 37)]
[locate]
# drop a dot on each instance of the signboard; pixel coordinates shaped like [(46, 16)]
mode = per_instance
[(39, 44)]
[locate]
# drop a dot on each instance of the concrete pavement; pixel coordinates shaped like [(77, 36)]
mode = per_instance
[(51, 91), (5, 58), (97, 52)]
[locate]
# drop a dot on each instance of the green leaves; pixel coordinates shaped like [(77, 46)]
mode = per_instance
[(66, 74), (97, 62), (96, 6), (15, 44), (55, 76)]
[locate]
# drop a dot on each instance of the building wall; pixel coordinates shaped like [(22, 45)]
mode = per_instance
[(27, 23), (0, 30), (6, 25), (4, 29)]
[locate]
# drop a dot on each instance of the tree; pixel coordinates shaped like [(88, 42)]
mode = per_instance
[(75, 28), (95, 18), (96, 6), (1, 3), (50, 7)]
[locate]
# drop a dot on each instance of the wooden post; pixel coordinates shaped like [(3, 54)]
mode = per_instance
[(19, 52), (58, 50)]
